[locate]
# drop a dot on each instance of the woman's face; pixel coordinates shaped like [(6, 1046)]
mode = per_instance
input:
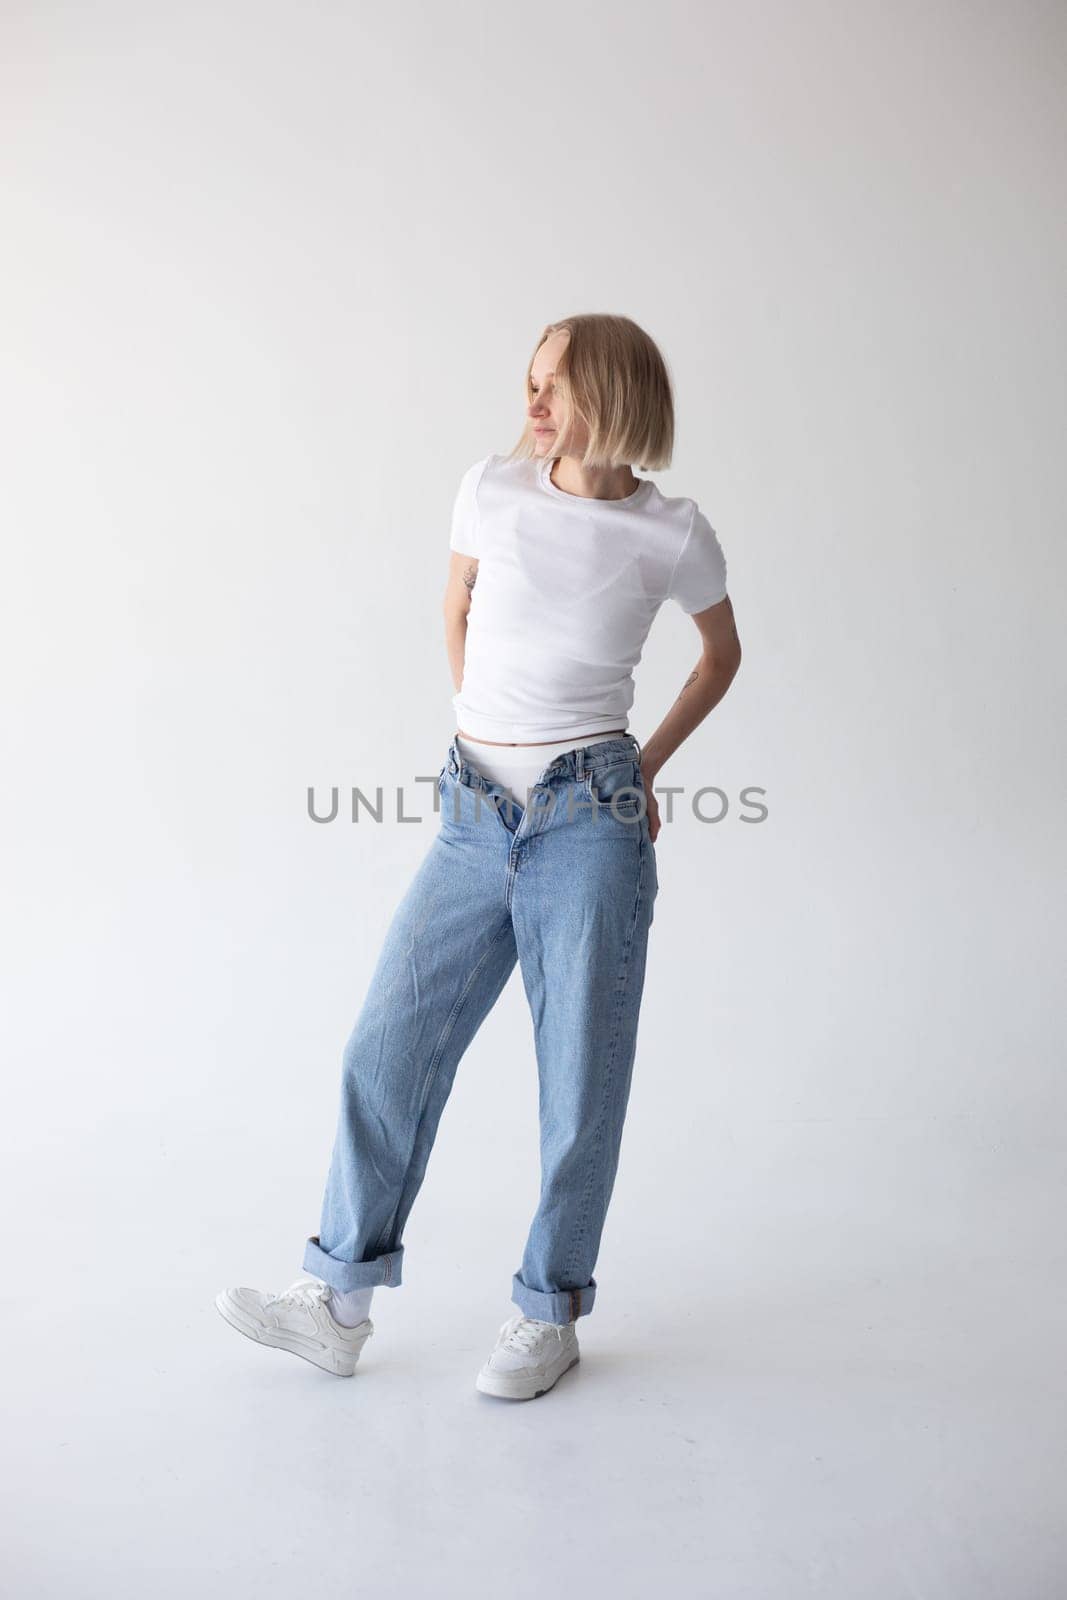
[(546, 410)]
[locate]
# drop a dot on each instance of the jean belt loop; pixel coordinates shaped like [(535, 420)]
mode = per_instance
[(579, 763), (637, 742)]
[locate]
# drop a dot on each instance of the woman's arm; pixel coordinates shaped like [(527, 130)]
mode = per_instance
[(703, 689), (462, 572)]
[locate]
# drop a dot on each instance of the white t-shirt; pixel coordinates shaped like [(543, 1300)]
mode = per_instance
[(566, 592)]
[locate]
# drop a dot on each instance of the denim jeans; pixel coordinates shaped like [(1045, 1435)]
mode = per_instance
[(565, 885)]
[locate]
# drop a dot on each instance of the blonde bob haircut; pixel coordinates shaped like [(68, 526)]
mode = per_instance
[(612, 377)]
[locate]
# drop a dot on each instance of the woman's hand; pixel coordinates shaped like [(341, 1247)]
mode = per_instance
[(652, 805)]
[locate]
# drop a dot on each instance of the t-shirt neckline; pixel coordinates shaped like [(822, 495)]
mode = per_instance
[(544, 468)]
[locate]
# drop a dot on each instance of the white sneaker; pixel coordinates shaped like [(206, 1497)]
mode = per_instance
[(529, 1356), (297, 1320)]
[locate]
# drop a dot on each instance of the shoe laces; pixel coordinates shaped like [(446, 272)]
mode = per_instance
[(523, 1333), (299, 1293)]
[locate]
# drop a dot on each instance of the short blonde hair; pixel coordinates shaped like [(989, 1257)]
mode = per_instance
[(612, 376)]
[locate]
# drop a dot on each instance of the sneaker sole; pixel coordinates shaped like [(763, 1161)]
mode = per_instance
[(339, 1363), (505, 1388)]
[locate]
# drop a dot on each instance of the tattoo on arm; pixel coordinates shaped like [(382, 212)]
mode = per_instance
[(692, 678), (470, 576)]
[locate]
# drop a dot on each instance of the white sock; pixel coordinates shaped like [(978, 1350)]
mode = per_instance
[(544, 1321), (350, 1308)]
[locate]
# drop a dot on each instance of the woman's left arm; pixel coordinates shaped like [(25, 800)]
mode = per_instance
[(705, 686)]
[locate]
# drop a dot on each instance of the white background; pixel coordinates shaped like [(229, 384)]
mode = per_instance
[(271, 277)]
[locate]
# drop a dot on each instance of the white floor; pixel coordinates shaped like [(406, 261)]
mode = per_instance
[(791, 1405)]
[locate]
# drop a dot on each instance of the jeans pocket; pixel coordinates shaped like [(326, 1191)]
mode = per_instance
[(618, 791), (444, 779)]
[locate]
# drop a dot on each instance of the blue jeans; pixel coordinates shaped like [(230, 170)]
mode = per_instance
[(566, 886)]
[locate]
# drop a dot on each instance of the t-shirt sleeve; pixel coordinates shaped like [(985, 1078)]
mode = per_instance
[(464, 534), (699, 577)]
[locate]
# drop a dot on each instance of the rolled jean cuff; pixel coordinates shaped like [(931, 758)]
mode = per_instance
[(563, 1305), (345, 1275)]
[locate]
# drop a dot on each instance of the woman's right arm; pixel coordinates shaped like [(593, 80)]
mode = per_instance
[(462, 573)]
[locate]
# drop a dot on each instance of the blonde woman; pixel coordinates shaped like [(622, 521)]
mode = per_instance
[(544, 856)]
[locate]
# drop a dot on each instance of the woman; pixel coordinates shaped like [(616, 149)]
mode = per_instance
[(560, 560)]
